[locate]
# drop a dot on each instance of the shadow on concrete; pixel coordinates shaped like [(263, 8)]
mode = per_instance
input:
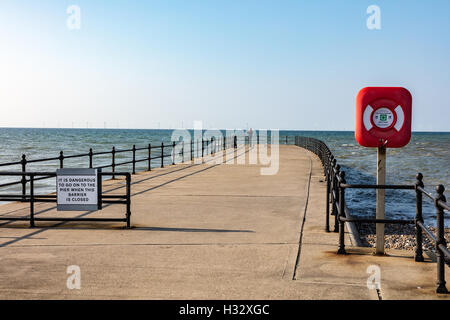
[(188, 230)]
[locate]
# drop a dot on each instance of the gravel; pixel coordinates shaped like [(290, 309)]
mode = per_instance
[(397, 236)]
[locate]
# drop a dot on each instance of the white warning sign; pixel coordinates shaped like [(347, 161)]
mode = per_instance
[(77, 189)]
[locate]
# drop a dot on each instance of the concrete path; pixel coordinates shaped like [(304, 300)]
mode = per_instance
[(203, 231)]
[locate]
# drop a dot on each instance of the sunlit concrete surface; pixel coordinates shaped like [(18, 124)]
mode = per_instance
[(205, 231)]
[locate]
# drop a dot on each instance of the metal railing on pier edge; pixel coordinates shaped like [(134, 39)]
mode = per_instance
[(197, 149), (335, 199)]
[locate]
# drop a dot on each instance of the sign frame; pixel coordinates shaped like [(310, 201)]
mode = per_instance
[(79, 172)]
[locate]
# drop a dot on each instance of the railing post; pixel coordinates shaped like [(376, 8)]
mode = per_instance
[(182, 152), (91, 155), (134, 159), (336, 194), (419, 218), (212, 146), (192, 150), (440, 240), (327, 203), (341, 213), (61, 159), (162, 154), (31, 201), (128, 180), (23, 162), (173, 153), (113, 161), (149, 157), (286, 139), (203, 147)]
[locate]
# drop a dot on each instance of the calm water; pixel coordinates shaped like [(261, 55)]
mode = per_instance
[(427, 153)]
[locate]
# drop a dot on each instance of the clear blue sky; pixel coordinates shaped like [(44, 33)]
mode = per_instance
[(272, 64)]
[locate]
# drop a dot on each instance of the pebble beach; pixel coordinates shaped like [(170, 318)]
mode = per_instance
[(397, 236)]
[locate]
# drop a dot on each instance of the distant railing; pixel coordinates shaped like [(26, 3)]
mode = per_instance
[(196, 149), (335, 197), (161, 151)]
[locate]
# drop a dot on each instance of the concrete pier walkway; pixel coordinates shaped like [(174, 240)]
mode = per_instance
[(203, 231)]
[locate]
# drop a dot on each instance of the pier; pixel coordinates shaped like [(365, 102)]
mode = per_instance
[(205, 231)]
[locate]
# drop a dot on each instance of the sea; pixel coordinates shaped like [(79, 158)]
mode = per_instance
[(427, 152)]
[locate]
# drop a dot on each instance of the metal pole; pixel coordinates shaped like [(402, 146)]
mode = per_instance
[(440, 240), (173, 152), (162, 154), (113, 161), (341, 249), (61, 159), (336, 194), (380, 213), (419, 218), (32, 201), (134, 159), (24, 178), (91, 155), (182, 152), (128, 178), (149, 157), (327, 203)]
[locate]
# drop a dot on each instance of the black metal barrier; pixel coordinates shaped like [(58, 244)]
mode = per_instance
[(33, 198), (199, 149), (335, 198)]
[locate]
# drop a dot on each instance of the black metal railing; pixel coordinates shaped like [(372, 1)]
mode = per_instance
[(197, 149), (33, 198), (336, 206)]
